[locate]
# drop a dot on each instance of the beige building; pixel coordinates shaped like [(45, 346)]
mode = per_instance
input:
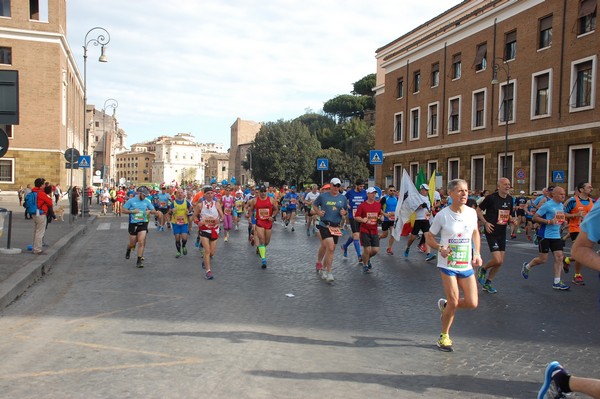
[(50, 94), (134, 167), (106, 141), (217, 167), (242, 133), (490, 89)]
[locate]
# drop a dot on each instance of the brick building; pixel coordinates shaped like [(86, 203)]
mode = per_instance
[(243, 133), (134, 167), (487, 81), (33, 42)]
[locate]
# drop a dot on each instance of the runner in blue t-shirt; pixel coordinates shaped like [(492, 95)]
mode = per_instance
[(355, 197), (550, 216), (291, 198), (138, 209), (583, 248)]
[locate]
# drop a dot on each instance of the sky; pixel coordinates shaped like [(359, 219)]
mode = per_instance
[(194, 66)]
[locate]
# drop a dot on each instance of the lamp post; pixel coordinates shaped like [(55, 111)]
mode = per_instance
[(102, 39), (114, 104), (249, 151), (505, 101)]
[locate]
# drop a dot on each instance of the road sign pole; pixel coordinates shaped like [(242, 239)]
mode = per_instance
[(321, 178)]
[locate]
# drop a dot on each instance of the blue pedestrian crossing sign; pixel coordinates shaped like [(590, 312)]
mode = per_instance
[(558, 176), (84, 161), (376, 157), (322, 164)]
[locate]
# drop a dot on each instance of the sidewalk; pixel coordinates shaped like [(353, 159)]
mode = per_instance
[(19, 271)]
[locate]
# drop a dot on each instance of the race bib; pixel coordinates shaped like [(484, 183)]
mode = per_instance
[(459, 256), (210, 222), (180, 220), (503, 216), (162, 204), (139, 217), (371, 218), (264, 213), (335, 231), (392, 216), (559, 217), (228, 211)]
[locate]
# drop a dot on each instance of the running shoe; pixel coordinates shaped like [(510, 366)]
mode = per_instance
[(263, 264), (441, 306), (481, 275), (422, 248), (406, 253), (566, 264), (308, 232), (323, 274), (140, 262), (488, 287), (293, 229), (389, 251), (208, 275), (550, 388), (430, 257), (226, 238), (365, 269), (318, 267), (445, 343), (329, 277), (369, 265), (178, 254), (127, 253), (525, 271), (345, 251), (560, 286), (578, 279), (518, 231), (513, 236), (184, 249)]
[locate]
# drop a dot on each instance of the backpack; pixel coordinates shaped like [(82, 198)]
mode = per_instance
[(30, 203)]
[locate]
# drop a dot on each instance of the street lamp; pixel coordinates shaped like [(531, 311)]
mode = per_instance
[(505, 101), (102, 40), (114, 104)]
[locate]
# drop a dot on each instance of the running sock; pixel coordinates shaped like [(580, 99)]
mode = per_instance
[(357, 247), (557, 280), (183, 243), (262, 250), (178, 245), (347, 244), (562, 379)]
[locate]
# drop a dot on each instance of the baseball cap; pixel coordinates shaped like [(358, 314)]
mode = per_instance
[(335, 181), (371, 190), (326, 186), (143, 190), (207, 189), (425, 186), (261, 187)]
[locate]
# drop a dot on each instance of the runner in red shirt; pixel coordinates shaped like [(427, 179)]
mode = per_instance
[(265, 208), (367, 214)]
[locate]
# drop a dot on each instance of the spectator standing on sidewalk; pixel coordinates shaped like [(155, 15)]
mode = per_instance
[(21, 194), (75, 194), (26, 191), (39, 218)]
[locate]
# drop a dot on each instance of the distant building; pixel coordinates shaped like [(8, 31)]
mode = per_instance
[(134, 167), (217, 167), (490, 89), (106, 141), (33, 42), (242, 134)]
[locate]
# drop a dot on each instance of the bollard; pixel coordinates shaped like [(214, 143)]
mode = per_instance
[(7, 250)]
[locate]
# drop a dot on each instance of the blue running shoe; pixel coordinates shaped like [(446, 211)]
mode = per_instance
[(525, 271), (345, 250), (481, 275), (365, 269), (549, 388), (560, 286), (406, 253), (488, 287), (430, 257), (264, 264)]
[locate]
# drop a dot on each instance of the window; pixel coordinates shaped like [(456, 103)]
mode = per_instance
[(507, 102), (398, 172), (5, 55), (477, 172), (510, 46), (453, 168), (456, 66), (400, 88), (545, 39), (415, 115), (398, 127), (540, 94), (417, 82), (583, 76), (539, 170), (7, 170), (432, 119), (454, 111), (414, 171), (505, 170), (580, 165), (38, 10), (8, 129), (587, 16), (481, 57), (432, 167), (478, 112), (4, 8), (435, 74)]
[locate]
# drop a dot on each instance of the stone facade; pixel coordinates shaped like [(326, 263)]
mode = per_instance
[(564, 137), (242, 133)]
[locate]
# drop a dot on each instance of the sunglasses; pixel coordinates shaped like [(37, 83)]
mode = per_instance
[(337, 185)]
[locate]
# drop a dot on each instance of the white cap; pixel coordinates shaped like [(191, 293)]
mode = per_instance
[(335, 181), (522, 192), (371, 190), (424, 186)]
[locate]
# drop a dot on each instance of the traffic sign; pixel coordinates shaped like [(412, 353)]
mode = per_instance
[(520, 173), (376, 157), (322, 164), (70, 165), (84, 161), (558, 176), (71, 154), (3, 143)]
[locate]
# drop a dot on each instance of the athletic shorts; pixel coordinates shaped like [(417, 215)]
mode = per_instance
[(325, 233), (520, 212), (354, 225), (387, 224), (164, 211), (264, 223), (574, 235), (550, 244), (496, 242), (420, 225), (457, 273), (135, 228), (208, 234), (369, 240), (181, 228)]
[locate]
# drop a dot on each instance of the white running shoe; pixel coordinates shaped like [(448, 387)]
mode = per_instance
[(330, 277)]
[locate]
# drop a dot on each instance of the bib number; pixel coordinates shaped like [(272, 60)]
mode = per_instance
[(335, 231), (503, 216)]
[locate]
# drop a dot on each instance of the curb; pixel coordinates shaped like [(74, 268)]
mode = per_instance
[(16, 285)]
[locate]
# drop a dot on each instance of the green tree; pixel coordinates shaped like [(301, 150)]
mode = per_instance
[(347, 106), (341, 165), (364, 86), (283, 153), (320, 126)]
